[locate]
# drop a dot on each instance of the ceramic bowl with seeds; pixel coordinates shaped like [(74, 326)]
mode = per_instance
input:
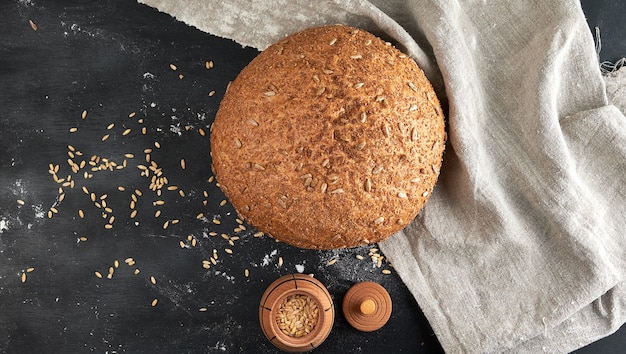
[(329, 138), (296, 313)]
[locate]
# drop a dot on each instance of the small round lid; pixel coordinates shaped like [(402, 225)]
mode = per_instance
[(367, 306), (296, 313)]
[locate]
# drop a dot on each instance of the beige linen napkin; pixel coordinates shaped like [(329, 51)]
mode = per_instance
[(521, 246)]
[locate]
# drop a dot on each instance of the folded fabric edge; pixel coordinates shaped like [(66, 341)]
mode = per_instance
[(399, 246), (574, 333), (570, 334), (168, 8)]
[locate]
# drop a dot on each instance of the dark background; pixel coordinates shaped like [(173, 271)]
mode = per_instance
[(608, 16), (112, 58)]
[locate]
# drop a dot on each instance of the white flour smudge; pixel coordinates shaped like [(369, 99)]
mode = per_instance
[(268, 258), (4, 225), (39, 212), (220, 346), (230, 278), (18, 188), (300, 268), (176, 129), (27, 3)]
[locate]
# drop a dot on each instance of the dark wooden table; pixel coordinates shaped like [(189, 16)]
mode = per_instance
[(109, 242)]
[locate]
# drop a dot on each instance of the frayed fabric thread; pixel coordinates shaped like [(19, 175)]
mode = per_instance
[(607, 67)]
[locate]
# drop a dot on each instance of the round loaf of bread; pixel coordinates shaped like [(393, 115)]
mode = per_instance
[(329, 138)]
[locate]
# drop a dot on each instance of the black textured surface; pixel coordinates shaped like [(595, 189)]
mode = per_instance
[(111, 58)]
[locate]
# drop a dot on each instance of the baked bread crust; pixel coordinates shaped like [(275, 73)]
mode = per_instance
[(329, 138)]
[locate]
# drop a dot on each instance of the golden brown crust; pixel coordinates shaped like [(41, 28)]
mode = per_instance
[(329, 138)]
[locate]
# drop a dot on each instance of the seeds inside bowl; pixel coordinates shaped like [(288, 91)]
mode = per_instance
[(297, 315)]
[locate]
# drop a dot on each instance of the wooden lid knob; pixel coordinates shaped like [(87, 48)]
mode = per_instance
[(296, 313), (367, 306)]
